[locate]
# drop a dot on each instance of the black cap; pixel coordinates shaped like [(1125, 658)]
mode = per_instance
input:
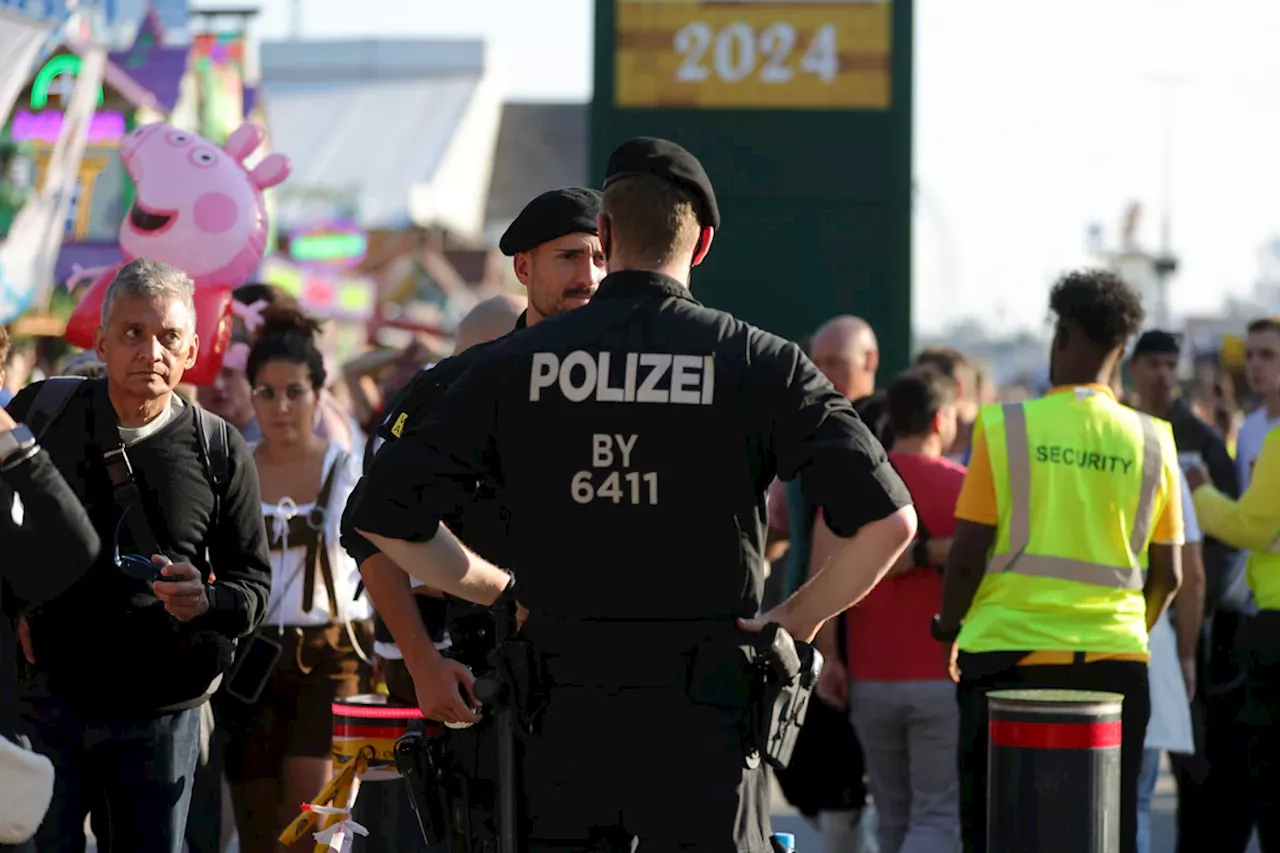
[(553, 214), (1157, 341), (662, 158)]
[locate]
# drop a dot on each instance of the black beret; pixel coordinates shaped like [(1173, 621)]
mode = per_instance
[(553, 214), (662, 158), (1156, 341)]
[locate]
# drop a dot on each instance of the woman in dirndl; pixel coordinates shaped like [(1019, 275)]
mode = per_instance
[(316, 627)]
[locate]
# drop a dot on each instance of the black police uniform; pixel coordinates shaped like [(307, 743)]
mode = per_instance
[(480, 522), (649, 427)]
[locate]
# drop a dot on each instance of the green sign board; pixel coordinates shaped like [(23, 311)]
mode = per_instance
[(800, 110)]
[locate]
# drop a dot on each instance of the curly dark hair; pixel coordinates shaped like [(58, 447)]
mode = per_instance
[(1098, 303), (289, 336)]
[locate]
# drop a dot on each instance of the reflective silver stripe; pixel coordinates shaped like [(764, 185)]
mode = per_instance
[(1017, 451), (1151, 468), (1018, 465), (1066, 569)]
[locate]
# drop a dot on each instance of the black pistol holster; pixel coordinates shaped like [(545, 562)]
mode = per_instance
[(464, 783), (424, 781), (787, 674)]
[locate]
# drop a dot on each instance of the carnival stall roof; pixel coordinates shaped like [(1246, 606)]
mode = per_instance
[(156, 67), (387, 131), (540, 147)]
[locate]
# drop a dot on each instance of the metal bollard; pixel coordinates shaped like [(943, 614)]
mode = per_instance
[(1053, 772)]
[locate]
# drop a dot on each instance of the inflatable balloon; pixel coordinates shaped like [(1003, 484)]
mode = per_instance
[(198, 208)]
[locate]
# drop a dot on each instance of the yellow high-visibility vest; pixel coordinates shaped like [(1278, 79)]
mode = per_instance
[(1077, 477)]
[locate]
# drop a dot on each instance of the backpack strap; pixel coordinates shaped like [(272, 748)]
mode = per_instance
[(214, 444), (50, 402)]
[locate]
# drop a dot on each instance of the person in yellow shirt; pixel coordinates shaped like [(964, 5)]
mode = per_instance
[(1253, 522), (1067, 545)]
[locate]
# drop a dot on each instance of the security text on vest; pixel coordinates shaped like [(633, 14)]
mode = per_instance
[(1082, 458)]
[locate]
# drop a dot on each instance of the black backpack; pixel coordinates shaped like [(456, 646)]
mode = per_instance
[(56, 392)]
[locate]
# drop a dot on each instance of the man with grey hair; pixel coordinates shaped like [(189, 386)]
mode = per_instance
[(120, 666)]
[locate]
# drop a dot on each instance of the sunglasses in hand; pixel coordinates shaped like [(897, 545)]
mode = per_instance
[(136, 566)]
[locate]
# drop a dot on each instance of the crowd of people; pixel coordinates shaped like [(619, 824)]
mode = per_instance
[(1208, 705), (113, 676)]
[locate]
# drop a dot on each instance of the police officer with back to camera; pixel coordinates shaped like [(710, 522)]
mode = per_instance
[(648, 427)]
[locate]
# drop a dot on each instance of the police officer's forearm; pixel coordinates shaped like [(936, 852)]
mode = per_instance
[(855, 566), (1188, 605), (1164, 576), (966, 566), (443, 562), (389, 588)]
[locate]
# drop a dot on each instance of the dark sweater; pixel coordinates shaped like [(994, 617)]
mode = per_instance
[(1192, 435), (42, 559), (107, 646)]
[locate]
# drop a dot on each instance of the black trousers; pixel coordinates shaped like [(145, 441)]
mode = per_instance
[(1216, 803), (1260, 723), (611, 766), (982, 673)]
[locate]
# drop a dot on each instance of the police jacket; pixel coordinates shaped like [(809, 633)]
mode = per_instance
[(633, 440), (479, 521)]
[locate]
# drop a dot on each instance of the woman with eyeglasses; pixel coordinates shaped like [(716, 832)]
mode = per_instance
[(310, 648)]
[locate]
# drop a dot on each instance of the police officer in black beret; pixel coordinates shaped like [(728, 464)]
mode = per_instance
[(635, 439), (557, 257)]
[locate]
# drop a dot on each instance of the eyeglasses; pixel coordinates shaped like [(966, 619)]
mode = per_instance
[(136, 566), (293, 393)]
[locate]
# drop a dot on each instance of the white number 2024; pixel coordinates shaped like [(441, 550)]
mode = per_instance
[(639, 488), (736, 52)]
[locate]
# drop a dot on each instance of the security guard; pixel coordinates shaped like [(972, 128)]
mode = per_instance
[(648, 427), (557, 257), (1067, 547)]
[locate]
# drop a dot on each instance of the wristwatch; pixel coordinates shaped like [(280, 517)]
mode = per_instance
[(920, 550), (508, 594), (13, 442), (211, 595), (935, 630)]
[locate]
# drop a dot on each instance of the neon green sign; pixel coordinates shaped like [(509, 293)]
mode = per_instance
[(42, 86)]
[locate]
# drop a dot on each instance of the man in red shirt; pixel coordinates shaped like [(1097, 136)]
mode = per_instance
[(900, 697)]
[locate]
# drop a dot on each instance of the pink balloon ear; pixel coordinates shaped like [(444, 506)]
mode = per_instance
[(245, 138), (271, 171)]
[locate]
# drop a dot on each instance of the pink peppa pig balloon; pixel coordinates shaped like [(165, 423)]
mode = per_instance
[(197, 208)]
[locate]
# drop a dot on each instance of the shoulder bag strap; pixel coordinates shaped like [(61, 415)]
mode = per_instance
[(50, 401), (215, 454), (318, 549), (124, 490)]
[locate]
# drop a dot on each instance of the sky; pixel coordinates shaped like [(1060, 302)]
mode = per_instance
[(1034, 120)]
